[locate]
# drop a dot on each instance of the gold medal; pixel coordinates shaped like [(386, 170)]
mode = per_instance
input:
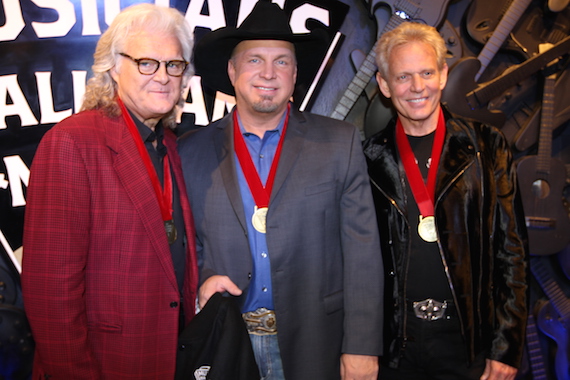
[(258, 218), (171, 233), (426, 229)]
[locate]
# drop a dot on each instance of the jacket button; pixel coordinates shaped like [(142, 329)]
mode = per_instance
[(249, 276), (174, 304)]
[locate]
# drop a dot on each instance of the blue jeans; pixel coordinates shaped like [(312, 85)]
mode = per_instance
[(267, 356)]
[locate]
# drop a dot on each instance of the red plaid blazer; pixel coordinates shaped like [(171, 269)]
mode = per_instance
[(98, 280)]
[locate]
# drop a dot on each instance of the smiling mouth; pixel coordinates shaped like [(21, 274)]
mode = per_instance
[(266, 88), (419, 100)]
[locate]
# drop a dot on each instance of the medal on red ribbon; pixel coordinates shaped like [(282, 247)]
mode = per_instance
[(258, 219), (426, 228), (260, 193), (164, 196), (423, 194)]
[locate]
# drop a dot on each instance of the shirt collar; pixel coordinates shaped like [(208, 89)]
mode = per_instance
[(148, 135), (279, 127)]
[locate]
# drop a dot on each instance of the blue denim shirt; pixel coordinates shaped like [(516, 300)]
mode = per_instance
[(262, 151)]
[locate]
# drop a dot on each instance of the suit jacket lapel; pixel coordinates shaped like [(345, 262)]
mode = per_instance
[(292, 146), (223, 140), (136, 182)]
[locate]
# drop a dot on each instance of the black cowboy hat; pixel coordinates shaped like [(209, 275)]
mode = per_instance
[(267, 21)]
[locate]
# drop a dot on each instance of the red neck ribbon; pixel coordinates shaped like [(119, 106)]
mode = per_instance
[(260, 193), (164, 196), (424, 195)]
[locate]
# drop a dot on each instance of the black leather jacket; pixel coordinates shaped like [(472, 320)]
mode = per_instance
[(482, 237)]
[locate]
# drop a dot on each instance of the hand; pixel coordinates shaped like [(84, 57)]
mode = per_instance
[(358, 367), (495, 370), (216, 284)]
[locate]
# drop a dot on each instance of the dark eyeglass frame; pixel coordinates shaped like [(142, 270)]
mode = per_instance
[(156, 62)]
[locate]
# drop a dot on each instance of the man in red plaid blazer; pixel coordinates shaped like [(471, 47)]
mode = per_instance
[(109, 244)]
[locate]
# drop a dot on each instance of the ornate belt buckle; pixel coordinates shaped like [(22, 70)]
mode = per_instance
[(430, 309), (260, 322)]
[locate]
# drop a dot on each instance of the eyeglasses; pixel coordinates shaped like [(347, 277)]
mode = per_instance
[(149, 66)]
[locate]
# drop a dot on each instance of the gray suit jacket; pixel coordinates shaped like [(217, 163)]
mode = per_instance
[(322, 236)]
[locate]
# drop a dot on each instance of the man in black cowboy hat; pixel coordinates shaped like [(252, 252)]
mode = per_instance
[(283, 208)]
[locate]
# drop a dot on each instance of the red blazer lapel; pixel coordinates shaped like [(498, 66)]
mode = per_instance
[(136, 182)]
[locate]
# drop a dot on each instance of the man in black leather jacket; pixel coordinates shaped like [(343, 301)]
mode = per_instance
[(453, 234)]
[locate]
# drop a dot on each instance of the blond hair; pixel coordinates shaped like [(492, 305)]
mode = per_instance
[(403, 34)]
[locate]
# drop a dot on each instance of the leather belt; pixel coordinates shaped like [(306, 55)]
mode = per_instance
[(432, 310), (260, 322)]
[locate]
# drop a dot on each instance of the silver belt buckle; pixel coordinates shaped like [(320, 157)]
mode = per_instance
[(430, 309), (260, 322)]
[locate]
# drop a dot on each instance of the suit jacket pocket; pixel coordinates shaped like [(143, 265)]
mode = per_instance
[(320, 188), (334, 302), (105, 327)]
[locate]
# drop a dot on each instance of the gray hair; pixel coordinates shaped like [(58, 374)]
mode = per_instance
[(101, 90), (403, 34)]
